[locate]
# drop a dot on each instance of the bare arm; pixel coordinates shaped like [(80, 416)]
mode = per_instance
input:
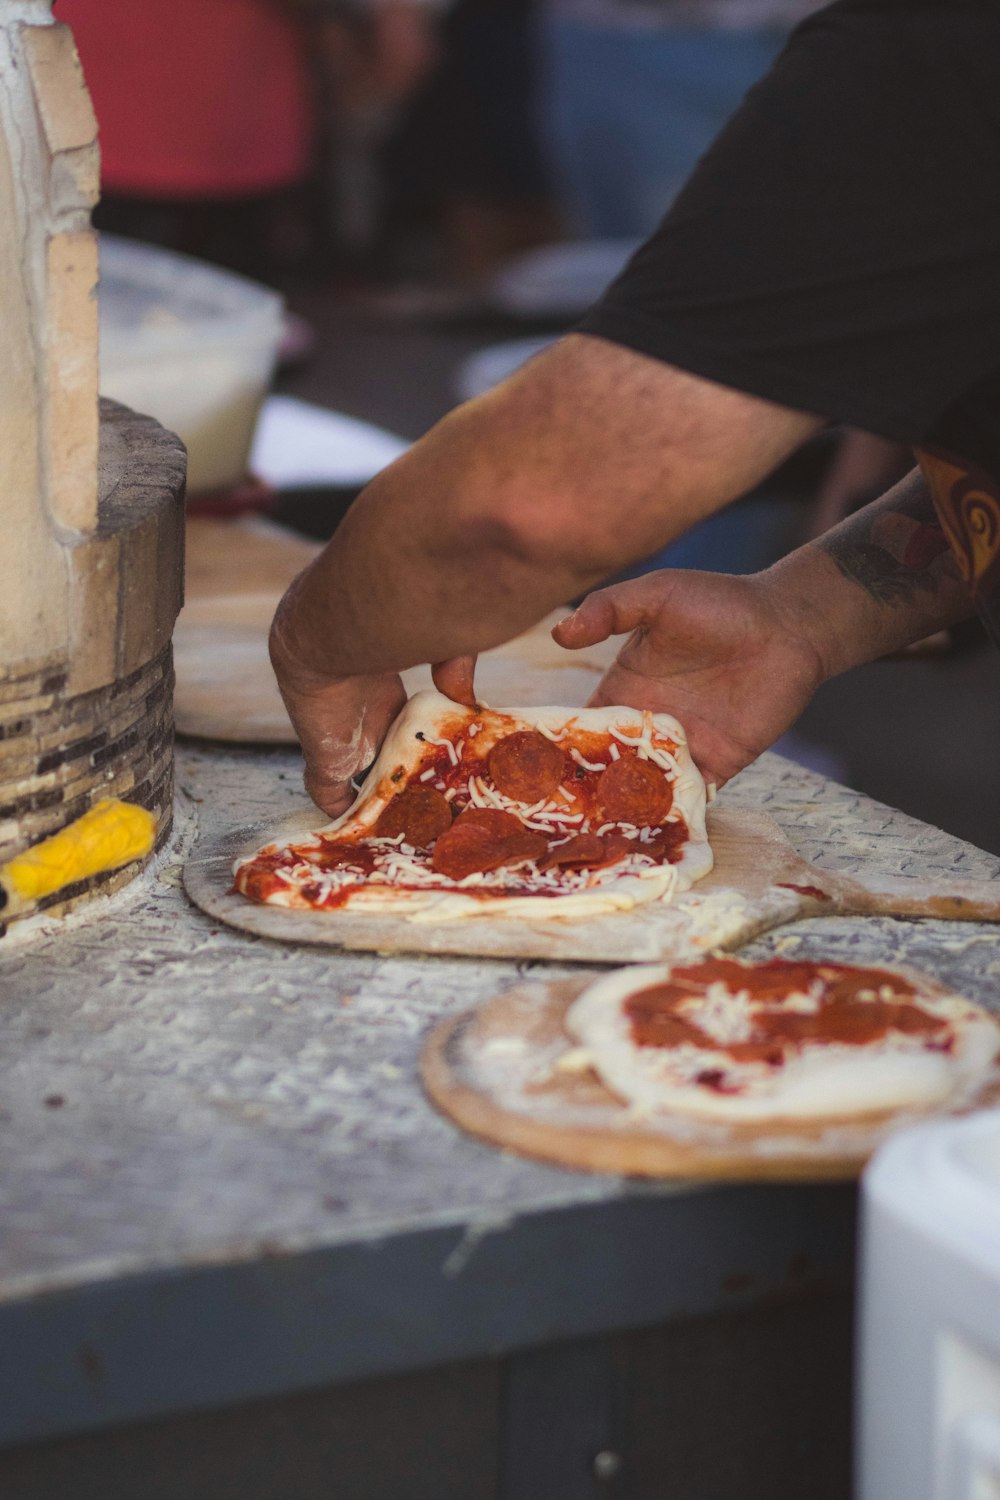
[(738, 658), (589, 458)]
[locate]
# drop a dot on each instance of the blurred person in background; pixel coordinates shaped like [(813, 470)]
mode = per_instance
[(466, 156), (635, 90), (212, 113), (206, 120)]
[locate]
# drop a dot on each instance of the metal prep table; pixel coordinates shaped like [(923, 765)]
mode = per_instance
[(242, 1258)]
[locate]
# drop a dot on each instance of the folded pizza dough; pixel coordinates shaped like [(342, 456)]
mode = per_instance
[(407, 885)]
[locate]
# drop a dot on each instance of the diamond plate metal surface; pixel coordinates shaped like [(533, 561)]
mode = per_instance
[(175, 1093), (220, 1179)]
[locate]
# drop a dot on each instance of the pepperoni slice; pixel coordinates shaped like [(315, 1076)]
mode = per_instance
[(482, 839), (586, 852), (419, 813), (526, 766), (633, 791)]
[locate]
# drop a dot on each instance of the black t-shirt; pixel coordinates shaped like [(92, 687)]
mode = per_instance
[(837, 249)]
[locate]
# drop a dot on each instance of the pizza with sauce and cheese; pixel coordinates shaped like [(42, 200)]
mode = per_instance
[(727, 1040), (540, 812)]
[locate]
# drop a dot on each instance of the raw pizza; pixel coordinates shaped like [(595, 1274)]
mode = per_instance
[(783, 1040), (536, 812)]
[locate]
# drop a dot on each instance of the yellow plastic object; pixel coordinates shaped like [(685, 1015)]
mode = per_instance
[(112, 833)]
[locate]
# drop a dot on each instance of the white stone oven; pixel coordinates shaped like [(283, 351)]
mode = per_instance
[(91, 496)]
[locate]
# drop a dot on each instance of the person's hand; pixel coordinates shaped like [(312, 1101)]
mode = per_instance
[(340, 726), (725, 655), (455, 678), (340, 722)]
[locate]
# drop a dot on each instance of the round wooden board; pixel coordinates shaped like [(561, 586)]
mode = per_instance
[(492, 1071), (226, 690)]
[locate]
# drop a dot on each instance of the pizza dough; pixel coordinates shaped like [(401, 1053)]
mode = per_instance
[(726, 1040), (560, 813)]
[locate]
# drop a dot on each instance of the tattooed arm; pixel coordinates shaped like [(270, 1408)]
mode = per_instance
[(906, 582), (738, 658)]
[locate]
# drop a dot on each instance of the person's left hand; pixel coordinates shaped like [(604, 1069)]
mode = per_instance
[(723, 653)]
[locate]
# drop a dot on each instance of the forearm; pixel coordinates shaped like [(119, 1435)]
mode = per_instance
[(417, 573), (590, 458), (883, 578)]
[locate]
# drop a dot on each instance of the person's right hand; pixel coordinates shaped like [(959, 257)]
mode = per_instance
[(340, 724), (724, 654), (340, 721)]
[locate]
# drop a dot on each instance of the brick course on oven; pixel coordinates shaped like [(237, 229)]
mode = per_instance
[(57, 761)]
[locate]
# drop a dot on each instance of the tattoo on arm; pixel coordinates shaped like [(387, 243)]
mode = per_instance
[(895, 548)]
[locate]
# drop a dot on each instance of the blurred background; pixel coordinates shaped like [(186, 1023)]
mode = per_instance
[(435, 190)]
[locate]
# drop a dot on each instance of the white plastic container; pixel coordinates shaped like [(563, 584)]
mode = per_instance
[(929, 1323), (191, 345)]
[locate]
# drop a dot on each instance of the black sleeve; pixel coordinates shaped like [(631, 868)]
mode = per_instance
[(837, 249)]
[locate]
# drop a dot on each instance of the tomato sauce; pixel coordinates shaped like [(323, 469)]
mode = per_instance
[(856, 1007), (804, 890), (440, 775)]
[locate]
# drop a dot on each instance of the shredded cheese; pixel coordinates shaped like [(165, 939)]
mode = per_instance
[(448, 745), (588, 765)]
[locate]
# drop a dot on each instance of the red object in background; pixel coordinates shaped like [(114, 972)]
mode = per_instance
[(250, 496), (195, 97)]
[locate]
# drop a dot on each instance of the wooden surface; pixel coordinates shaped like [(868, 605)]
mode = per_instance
[(759, 882), (493, 1071), (248, 556), (237, 572)]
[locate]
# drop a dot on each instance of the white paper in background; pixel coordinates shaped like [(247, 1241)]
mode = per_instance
[(298, 444)]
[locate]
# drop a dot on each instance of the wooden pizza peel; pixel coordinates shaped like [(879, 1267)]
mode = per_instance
[(236, 573), (759, 882), (495, 1072)]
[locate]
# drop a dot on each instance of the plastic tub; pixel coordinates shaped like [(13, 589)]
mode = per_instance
[(929, 1325), (191, 345)]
